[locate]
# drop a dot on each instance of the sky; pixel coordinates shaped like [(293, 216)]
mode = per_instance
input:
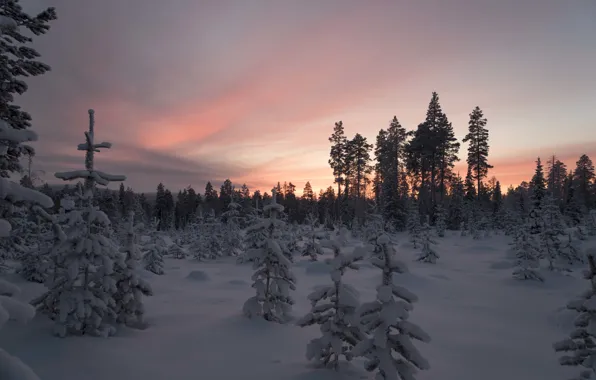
[(190, 91)]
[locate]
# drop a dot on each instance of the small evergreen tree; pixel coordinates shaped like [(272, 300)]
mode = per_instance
[(272, 279), (153, 258), (333, 309), (527, 256), (389, 348), (130, 287), (312, 248), (428, 254)]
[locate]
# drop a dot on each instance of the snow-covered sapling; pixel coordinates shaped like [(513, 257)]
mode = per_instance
[(389, 349), (428, 253), (581, 343), (311, 248), (273, 278), (527, 256), (333, 309), (130, 287), (153, 258)]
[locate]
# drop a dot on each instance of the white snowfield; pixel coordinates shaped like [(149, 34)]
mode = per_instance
[(482, 323)]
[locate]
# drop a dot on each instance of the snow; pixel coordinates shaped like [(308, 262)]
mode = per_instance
[(484, 324)]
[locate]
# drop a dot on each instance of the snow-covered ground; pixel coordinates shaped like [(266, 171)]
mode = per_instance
[(483, 324)]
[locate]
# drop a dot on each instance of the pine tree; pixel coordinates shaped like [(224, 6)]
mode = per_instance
[(428, 254), (469, 189), (538, 186), (273, 278), (581, 343), (337, 159), (18, 61), (130, 287), (333, 309), (455, 212), (583, 180), (358, 164), (477, 138), (80, 292), (389, 348), (555, 178)]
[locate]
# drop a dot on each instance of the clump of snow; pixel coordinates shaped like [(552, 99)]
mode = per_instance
[(198, 275)]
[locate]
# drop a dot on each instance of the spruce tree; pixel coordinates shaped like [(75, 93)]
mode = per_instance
[(389, 349), (527, 255), (311, 247), (538, 186), (581, 344), (130, 287), (334, 310), (273, 278), (583, 181), (477, 138), (153, 258), (80, 296), (18, 61), (428, 253), (440, 223)]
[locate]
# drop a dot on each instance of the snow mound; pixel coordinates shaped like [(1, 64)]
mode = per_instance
[(562, 319), (198, 275), (318, 267), (237, 282), (482, 249), (503, 264)]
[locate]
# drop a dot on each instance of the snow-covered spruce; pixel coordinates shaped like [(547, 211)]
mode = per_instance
[(389, 349), (35, 265), (153, 258), (311, 248), (232, 238), (571, 251), (550, 244), (81, 288), (527, 256), (581, 343), (591, 223), (333, 309), (130, 287), (428, 253), (273, 278)]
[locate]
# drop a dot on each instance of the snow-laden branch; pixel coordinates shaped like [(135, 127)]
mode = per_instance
[(16, 135), (99, 176)]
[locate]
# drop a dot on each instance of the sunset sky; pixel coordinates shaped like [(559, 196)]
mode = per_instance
[(196, 90)]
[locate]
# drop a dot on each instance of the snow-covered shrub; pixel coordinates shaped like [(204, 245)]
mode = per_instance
[(333, 309), (389, 349)]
